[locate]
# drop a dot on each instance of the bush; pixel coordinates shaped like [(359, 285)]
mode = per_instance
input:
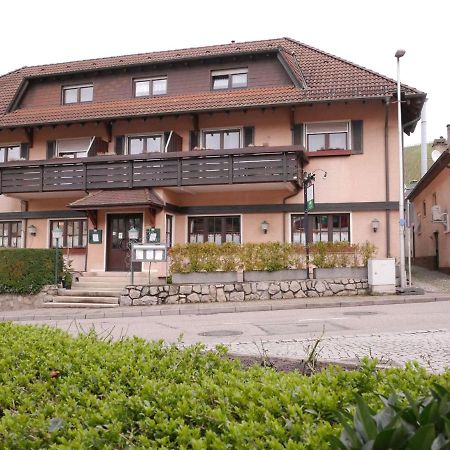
[(63, 392), (270, 256), (26, 271)]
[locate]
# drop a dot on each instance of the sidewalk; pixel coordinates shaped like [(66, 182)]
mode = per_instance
[(217, 308)]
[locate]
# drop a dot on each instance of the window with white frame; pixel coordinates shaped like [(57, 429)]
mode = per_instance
[(150, 86), (77, 94), (321, 228), (221, 139), (229, 79), (9, 153), (327, 136), (217, 229), (145, 144), (73, 148)]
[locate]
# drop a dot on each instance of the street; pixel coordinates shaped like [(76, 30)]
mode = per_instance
[(394, 334)]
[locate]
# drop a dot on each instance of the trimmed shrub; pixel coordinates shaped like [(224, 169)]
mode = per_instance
[(62, 392), (270, 256), (27, 271)]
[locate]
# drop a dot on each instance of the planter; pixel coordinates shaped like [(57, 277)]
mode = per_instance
[(277, 275), (341, 272), (206, 277)]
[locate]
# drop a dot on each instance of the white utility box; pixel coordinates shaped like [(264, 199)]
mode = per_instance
[(381, 274)]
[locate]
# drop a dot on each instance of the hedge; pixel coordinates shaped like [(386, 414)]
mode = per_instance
[(270, 256), (62, 392), (26, 271)]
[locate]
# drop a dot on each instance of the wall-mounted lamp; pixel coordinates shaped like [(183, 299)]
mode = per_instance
[(264, 226), (32, 230), (375, 225)]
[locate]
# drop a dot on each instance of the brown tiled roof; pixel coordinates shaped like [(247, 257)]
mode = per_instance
[(324, 76), (132, 197)]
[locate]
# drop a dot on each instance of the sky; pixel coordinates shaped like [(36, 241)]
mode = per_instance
[(365, 32)]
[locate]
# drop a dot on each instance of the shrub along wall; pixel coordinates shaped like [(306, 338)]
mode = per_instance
[(271, 256), (26, 271)]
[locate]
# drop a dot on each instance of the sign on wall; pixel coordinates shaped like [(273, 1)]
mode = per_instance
[(153, 235), (95, 236)]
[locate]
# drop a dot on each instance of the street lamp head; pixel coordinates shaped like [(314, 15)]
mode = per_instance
[(400, 53)]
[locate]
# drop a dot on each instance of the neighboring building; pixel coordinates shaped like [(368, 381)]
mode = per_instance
[(431, 205), (205, 144)]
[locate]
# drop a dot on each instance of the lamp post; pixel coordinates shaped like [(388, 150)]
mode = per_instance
[(57, 235), (401, 203)]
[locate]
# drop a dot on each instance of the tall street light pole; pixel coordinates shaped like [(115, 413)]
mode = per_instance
[(401, 203)]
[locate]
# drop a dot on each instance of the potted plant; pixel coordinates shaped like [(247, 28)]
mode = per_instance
[(67, 275)]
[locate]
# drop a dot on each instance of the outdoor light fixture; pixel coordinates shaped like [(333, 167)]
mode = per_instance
[(401, 203), (133, 234), (375, 225), (264, 226), (32, 230), (57, 234)]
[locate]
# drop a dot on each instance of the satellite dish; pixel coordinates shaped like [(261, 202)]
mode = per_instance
[(435, 154)]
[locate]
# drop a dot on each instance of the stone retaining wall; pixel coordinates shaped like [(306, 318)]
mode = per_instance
[(12, 302), (240, 292)]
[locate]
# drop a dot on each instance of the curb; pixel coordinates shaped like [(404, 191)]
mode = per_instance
[(223, 308)]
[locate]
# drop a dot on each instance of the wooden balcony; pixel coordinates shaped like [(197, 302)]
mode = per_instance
[(206, 167)]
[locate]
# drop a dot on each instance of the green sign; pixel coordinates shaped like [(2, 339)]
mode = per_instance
[(95, 236), (310, 198), (153, 235)]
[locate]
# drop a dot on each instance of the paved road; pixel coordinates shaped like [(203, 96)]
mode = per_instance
[(393, 333)]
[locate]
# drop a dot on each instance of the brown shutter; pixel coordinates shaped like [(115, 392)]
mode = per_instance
[(297, 134), (120, 145), (194, 136), (249, 136), (24, 151), (51, 149), (357, 137)]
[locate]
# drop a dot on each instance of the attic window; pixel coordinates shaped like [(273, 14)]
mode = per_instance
[(229, 79), (77, 94), (150, 87)]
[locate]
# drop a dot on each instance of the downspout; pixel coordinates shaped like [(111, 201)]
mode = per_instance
[(296, 191), (386, 175)]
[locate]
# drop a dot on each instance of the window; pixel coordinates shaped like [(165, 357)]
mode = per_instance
[(217, 229), (11, 234), (169, 230), (229, 79), (424, 208), (74, 148), (145, 144), (9, 153), (78, 94), (322, 228), (74, 233), (327, 136), (222, 139), (434, 199), (149, 87)]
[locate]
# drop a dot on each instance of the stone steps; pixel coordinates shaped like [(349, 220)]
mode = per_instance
[(79, 305), (81, 292), (85, 299)]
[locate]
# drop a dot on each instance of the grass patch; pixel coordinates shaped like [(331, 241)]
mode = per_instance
[(63, 392)]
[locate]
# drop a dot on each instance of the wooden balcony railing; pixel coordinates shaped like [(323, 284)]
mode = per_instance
[(248, 165)]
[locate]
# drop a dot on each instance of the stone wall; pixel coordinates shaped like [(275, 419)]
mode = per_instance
[(240, 292), (12, 302)]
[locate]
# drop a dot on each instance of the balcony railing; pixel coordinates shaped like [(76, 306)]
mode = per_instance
[(207, 167)]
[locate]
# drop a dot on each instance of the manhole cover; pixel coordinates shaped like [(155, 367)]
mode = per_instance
[(360, 313), (219, 333)]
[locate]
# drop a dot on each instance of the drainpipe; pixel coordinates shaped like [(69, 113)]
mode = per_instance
[(386, 175), (423, 147), (296, 191)]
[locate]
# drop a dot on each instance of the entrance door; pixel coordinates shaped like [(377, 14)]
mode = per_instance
[(118, 253)]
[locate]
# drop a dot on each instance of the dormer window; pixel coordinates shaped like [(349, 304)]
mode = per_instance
[(229, 79), (150, 87), (77, 94)]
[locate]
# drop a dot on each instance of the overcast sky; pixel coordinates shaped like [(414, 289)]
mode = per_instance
[(364, 32)]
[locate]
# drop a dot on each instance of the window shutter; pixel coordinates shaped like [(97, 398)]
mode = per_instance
[(357, 137), (249, 136), (51, 149), (120, 145), (194, 139), (24, 151), (297, 134)]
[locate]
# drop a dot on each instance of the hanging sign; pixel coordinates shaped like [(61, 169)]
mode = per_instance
[(310, 198)]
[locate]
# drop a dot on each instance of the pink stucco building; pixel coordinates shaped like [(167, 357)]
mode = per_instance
[(205, 144)]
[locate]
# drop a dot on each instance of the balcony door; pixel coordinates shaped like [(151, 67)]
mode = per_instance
[(118, 252)]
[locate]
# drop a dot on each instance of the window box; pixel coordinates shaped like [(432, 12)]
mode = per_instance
[(277, 275), (206, 277), (359, 273)]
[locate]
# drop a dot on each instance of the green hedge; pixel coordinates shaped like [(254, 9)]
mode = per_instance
[(62, 392), (26, 271), (270, 256)]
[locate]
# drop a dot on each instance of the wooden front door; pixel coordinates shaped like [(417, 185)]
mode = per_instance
[(118, 252)]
